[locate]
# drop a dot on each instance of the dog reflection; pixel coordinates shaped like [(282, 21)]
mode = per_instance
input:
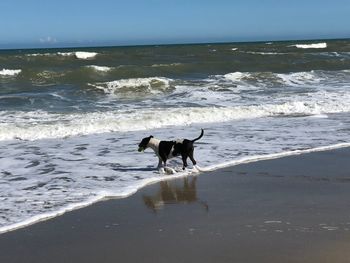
[(174, 194)]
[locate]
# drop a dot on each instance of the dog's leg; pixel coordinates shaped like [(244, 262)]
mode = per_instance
[(159, 163), (184, 161), (191, 157), (164, 161)]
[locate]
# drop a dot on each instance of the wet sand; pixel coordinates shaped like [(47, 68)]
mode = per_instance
[(292, 209)]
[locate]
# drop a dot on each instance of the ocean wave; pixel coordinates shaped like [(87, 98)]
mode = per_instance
[(165, 65), (264, 78), (100, 68), (10, 72), (63, 54), (46, 78), (299, 78), (235, 76), (153, 85), (265, 53), (314, 45), (49, 125), (85, 55), (76, 54)]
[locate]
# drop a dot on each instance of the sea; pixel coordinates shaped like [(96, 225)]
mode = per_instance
[(71, 119)]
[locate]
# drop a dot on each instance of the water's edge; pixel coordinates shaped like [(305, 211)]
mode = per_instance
[(102, 196)]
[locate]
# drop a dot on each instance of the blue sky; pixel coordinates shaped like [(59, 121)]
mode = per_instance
[(37, 23)]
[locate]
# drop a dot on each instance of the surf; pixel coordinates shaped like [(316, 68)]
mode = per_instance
[(164, 175)]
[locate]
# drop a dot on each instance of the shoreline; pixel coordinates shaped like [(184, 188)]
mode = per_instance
[(107, 196), (291, 209)]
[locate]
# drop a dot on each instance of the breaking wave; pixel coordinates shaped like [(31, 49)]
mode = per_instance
[(10, 72), (315, 45), (49, 125), (288, 79), (151, 85), (85, 55), (99, 68), (166, 65), (77, 54)]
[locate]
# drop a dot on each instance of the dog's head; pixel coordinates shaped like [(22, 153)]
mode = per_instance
[(144, 143)]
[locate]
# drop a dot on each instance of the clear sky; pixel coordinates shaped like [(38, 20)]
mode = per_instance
[(37, 23)]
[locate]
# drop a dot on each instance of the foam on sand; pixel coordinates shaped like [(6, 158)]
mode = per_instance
[(103, 195)]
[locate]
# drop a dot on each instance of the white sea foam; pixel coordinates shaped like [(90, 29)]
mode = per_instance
[(85, 55), (314, 45), (77, 54), (100, 68), (151, 85), (34, 55), (165, 65), (20, 124), (64, 54), (299, 78), (10, 72), (103, 195), (264, 78), (265, 53), (236, 76)]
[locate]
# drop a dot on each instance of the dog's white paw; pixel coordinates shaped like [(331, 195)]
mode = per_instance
[(166, 170), (169, 170)]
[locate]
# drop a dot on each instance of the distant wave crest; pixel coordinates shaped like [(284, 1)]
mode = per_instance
[(85, 55), (10, 72), (99, 68), (314, 45), (152, 85), (77, 54)]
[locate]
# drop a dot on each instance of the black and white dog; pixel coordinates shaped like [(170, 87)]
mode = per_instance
[(169, 149)]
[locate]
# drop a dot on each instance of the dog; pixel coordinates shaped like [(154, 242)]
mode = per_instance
[(168, 149)]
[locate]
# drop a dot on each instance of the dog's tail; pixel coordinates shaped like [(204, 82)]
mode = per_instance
[(200, 136)]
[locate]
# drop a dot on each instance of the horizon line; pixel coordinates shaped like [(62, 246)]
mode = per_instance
[(72, 46)]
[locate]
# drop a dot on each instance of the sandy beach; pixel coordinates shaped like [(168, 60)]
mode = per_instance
[(292, 209)]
